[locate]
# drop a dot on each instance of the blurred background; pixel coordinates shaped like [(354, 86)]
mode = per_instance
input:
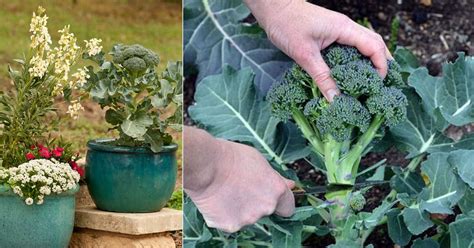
[(153, 23)]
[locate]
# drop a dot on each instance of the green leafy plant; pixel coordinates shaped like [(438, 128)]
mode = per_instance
[(141, 103), (418, 111), (176, 201)]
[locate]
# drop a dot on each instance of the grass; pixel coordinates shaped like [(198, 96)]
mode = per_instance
[(154, 24)]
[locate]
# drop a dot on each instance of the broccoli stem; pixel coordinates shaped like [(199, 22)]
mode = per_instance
[(308, 132), (346, 170), (332, 150)]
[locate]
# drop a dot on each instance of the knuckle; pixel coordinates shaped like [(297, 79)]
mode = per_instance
[(301, 54), (322, 77)]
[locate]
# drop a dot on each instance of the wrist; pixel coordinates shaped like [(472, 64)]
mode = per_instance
[(204, 161), (267, 11)]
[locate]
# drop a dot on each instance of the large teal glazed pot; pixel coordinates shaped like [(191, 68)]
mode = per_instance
[(130, 179), (49, 225)]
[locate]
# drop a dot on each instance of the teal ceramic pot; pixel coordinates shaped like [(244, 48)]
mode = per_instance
[(130, 179), (49, 225)]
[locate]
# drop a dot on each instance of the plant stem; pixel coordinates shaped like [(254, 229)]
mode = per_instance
[(308, 132)]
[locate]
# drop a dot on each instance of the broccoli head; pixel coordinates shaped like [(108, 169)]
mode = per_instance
[(357, 201), (135, 58), (341, 131), (340, 55), (390, 103), (394, 78), (342, 116), (357, 78)]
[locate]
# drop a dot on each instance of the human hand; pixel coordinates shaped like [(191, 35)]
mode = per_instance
[(243, 187), (302, 30)]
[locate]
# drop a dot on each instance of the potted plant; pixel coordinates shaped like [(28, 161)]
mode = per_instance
[(38, 172), (136, 171)]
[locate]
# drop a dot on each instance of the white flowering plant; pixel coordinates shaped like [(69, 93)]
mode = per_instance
[(39, 178), (27, 110)]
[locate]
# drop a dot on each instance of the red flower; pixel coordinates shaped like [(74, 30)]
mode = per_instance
[(58, 152), (77, 168), (44, 152), (30, 156), (32, 147), (40, 146)]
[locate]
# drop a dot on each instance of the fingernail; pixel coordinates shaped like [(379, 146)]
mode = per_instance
[(331, 94)]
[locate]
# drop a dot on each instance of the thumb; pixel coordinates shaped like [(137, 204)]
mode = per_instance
[(321, 74), (289, 183), (286, 204)]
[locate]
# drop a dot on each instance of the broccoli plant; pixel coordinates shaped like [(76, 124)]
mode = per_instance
[(140, 103), (427, 203)]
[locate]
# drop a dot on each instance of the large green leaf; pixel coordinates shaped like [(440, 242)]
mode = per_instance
[(420, 132), (463, 161), (194, 228), (466, 204), (445, 188), (425, 243), (289, 239), (214, 35), (229, 107), (462, 232), (452, 94), (397, 230), (407, 61)]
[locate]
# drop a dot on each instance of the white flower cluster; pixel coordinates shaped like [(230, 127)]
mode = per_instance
[(63, 57), (38, 178), (79, 78), (40, 41), (93, 46), (74, 109)]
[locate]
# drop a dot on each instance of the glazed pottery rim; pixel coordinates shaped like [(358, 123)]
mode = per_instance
[(104, 145), (6, 190)]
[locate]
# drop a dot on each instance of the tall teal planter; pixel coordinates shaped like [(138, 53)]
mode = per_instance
[(130, 179), (49, 225)]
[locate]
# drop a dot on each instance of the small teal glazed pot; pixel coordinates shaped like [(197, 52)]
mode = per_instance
[(49, 225), (130, 179)]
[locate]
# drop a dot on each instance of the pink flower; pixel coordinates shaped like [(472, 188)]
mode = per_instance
[(58, 152), (30, 156), (77, 168), (44, 152)]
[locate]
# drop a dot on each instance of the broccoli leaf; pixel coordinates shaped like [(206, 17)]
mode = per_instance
[(463, 161), (462, 232), (194, 227), (442, 193), (407, 61), (466, 204), (425, 243), (230, 108), (281, 239), (214, 35), (420, 132), (452, 94), (397, 230)]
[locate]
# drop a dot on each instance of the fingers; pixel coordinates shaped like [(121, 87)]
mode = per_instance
[(286, 204), (321, 74), (289, 183), (369, 43)]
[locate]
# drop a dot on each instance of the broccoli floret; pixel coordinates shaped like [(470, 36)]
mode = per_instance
[(314, 108), (357, 78), (390, 103), (394, 78), (357, 201), (342, 115), (135, 58), (340, 55), (286, 96)]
